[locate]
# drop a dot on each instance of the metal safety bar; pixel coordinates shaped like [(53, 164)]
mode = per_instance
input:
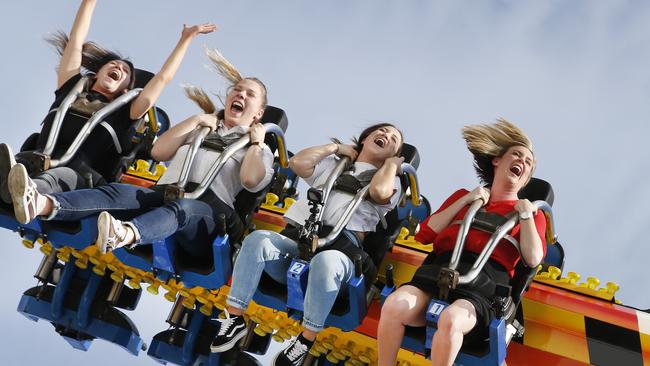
[(191, 154), (499, 234), (96, 119), (359, 197), (412, 176), (230, 150), (329, 183), (57, 121)]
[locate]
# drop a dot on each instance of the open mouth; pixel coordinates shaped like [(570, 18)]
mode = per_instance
[(517, 170), (114, 74), (381, 142), (237, 106)]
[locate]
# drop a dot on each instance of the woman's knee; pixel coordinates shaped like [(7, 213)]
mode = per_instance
[(397, 306), (331, 263), (457, 318), (258, 243)]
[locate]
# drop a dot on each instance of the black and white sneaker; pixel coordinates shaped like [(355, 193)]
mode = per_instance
[(231, 330), (294, 354)]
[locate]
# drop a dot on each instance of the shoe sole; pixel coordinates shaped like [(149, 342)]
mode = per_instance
[(103, 223), (7, 161), (228, 345), (17, 182)]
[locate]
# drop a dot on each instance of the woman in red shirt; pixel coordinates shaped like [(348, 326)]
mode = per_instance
[(504, 162)]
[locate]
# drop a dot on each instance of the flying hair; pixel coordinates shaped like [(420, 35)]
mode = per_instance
[(93, 55), (488, 141), (226, 70)]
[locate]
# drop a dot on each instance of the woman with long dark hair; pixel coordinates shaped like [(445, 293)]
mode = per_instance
[(110, 76), (376, 162)]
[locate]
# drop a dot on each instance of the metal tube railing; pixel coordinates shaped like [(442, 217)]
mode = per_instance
[(462, 232), (57, 121), (226, 154), (345, 218), (191, 154), (329, 183), (92, 123), (496, 237), (411, 174)]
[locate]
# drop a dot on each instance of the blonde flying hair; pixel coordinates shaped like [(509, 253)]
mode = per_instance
[(228, 71), (489, 141)]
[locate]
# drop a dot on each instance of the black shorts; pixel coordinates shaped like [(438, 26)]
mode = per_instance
[(479, 292)]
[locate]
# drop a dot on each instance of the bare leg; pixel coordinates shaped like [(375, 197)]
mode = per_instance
[(455, 321), (406, 306)]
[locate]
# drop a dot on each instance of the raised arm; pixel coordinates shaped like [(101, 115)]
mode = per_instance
[(70, 63), (382, 185), (531, 245), (166, 145), (442, 219), (155, 86), (304, 162)]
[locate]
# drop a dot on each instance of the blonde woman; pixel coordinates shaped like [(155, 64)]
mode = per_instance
[(504, 162)]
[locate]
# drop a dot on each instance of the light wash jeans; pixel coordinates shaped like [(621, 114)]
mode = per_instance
[(262, 250)]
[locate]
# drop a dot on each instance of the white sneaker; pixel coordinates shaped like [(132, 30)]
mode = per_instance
[(111, 233), (7, 161), (23, 193)]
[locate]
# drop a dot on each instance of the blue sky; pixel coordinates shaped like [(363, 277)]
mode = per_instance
[(573, 75)]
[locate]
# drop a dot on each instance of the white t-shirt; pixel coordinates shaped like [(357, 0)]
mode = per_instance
[(364, 219), (227, 184)]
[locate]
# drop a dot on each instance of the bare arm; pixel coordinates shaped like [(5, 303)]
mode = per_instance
[(382, 185), (252, 168), (168, 143), (147, 98), (70, 63), (529, 241), (304, 162), (442, 219)]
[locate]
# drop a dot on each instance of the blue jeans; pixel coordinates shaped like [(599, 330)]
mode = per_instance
[(262, 250), (193, 221)]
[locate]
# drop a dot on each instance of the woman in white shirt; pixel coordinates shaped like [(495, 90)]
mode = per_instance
[(376, 160)]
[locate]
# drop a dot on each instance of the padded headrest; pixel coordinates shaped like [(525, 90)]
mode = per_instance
[(275, 115), (142, 77), (538, 189), (411, 155)]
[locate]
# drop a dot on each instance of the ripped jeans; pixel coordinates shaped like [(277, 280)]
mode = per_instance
[(329, 273)]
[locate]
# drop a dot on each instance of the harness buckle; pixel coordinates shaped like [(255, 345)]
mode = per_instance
[(173, 192), (36, 162), (447, 281)]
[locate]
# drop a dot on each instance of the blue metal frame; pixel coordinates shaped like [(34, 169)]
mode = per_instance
[(163, 255), (79, 320), (297, 276)]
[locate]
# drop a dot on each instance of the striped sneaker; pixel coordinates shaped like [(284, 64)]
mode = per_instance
[(231, 330)]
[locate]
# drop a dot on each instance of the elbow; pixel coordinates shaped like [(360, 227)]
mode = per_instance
[(535, 258), (249, 182), (380, 194), (297, 165), (156, 154)]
